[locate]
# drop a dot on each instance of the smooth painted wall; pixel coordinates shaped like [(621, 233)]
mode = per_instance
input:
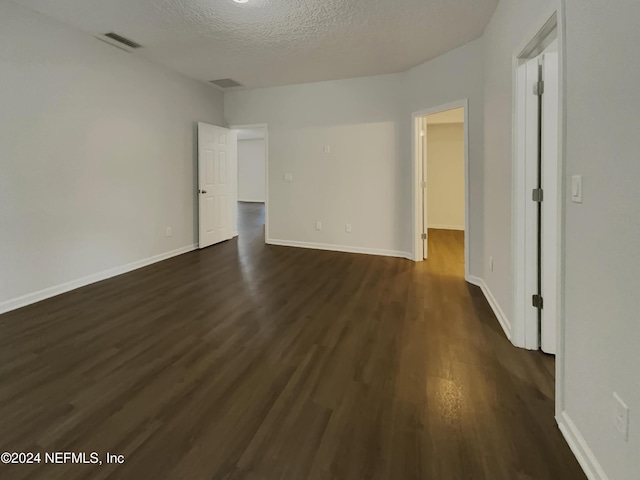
[(251, 170), (360, 181), (454, 76), (513, 24), (365, 180), (96, 154), (445, 176), (602, 234)]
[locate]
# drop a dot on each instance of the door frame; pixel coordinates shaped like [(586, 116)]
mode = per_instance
[(522, 325), (524, 248), (416, 178), (263, 126)]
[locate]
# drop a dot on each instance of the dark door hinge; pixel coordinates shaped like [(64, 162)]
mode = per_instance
[(538, 88), (537, 301), (537, 195)]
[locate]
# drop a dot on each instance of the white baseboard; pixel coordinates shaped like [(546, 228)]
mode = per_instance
[(341, 248), (587, 460), (477, 281), (446, 227), (250, 201), (35, 297), (493, 303)]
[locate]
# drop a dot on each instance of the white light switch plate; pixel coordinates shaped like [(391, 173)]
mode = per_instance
[(288, 177), (576, 189)]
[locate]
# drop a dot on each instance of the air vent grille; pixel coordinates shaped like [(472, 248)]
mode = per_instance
[(123, 40), (226, 83)]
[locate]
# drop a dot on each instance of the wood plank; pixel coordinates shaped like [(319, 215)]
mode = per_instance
[(249, 361)]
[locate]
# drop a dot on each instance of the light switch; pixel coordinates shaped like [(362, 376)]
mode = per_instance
[(576, 189), (288, 177), (327, 149)]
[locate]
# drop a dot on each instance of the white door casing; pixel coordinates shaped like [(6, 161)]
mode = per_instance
[(534, 333), (423, 155), (217, 184), (419, 203)]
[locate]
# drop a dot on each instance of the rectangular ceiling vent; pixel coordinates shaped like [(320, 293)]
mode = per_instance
[(122, 40), (226, 83)]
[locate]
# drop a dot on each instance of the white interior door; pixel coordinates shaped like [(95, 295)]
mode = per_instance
[(531, 268), (422, 149), (550, 205), (217, 184)]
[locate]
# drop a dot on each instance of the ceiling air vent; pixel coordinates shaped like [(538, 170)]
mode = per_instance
[(122, 40), (226, 83)]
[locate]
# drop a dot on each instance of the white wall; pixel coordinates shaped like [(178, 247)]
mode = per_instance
[(251, 170), (453, 76), (96, 154), (366, 179), (602, 332), (97, 159), (513, 23), (360, 182), (445, 176), (602, 234)]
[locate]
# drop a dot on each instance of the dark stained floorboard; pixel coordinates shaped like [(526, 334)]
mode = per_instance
[(256, 362)]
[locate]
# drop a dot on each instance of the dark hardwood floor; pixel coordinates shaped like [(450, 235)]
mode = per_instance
[(248, 361)]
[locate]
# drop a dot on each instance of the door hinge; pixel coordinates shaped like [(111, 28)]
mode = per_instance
[(538, 88), (423, 184), (424, 236), (537, 301), (537, 195)]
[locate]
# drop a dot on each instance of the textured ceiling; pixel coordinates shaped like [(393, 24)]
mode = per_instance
[(279, 42)]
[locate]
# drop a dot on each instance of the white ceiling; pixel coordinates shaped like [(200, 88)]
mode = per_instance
[(279, 42), (448, 116)]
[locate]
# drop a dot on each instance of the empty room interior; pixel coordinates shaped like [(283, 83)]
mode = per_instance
[(319, 239)]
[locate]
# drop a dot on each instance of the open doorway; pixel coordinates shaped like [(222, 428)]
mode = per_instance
[(441, 179), (252, 179), (537, 192)]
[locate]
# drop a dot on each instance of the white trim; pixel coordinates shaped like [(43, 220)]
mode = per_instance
[(416, 178), (525, 326), (557, 9), (562, 167), (35, 297), (587, 460), (493, 303), (473, 280), (266, 171), (340, 248), (447, 227), (250, 200)]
